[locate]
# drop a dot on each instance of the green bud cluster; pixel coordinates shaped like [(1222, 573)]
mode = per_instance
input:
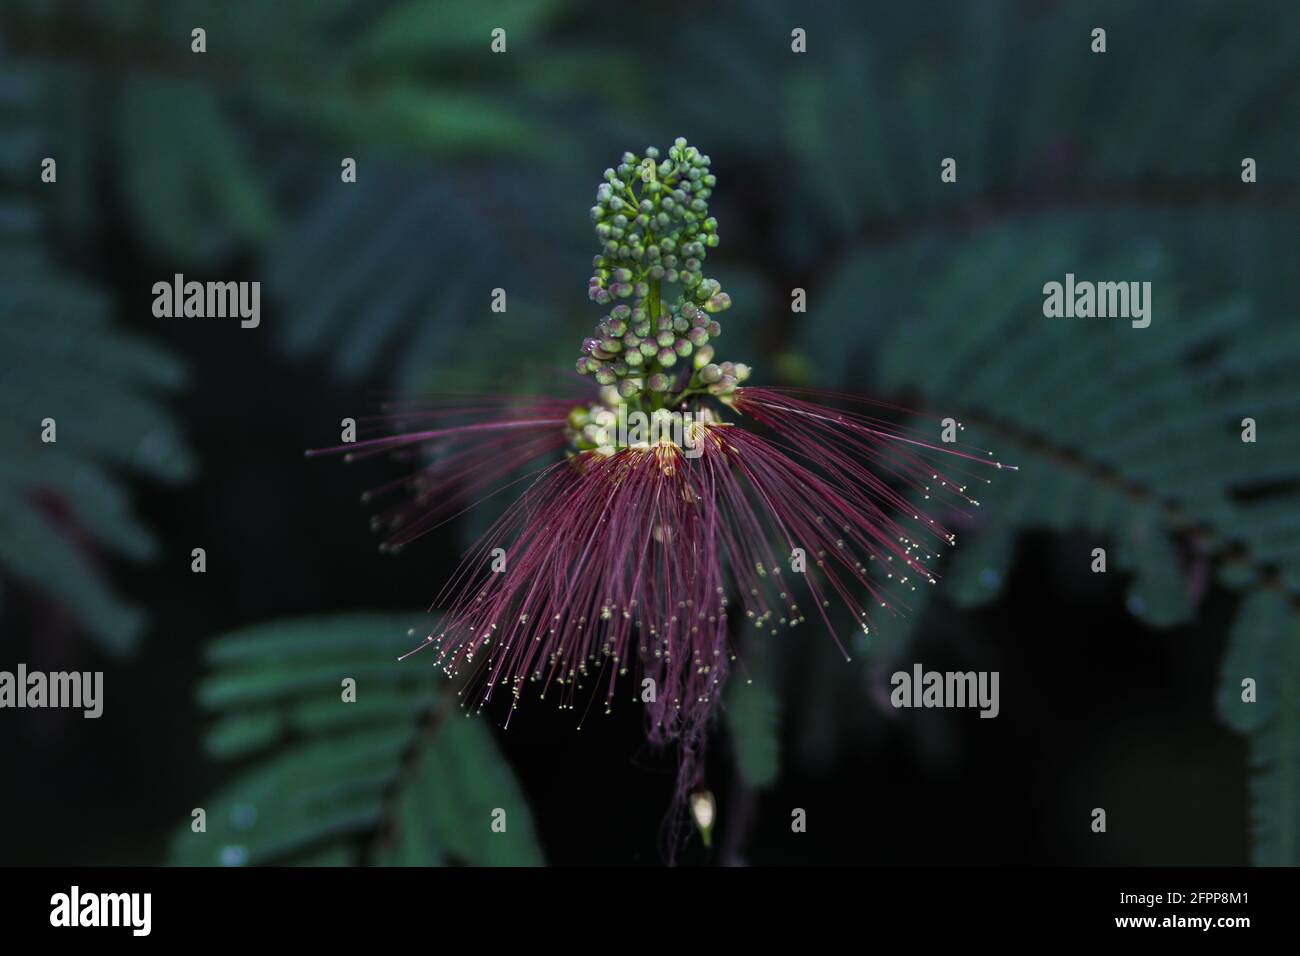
[(591, 428), (652, 220)]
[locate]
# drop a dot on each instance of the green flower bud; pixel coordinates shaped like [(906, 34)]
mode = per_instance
[(667, 358), (710, 374), (703, 356), (658, 382)]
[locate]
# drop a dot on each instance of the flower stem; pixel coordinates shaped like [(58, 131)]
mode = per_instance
[(690, 389)]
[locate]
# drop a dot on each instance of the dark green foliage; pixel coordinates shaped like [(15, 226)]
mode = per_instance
[(200, 137), (400, 776), (1265, 649), (63, 504), (1123, 166), (387, 305)]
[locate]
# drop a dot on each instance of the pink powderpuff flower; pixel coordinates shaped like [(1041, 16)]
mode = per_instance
[(650, 522)]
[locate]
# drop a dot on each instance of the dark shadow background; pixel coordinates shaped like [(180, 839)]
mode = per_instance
[(1098, 707)]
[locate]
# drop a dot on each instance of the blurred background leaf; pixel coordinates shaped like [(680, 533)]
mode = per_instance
[(398, 777), (199, 137), (1121, 167), (63, 503)]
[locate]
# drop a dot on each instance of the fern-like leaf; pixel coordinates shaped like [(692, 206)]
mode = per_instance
[(62, 502), (397, 776)]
